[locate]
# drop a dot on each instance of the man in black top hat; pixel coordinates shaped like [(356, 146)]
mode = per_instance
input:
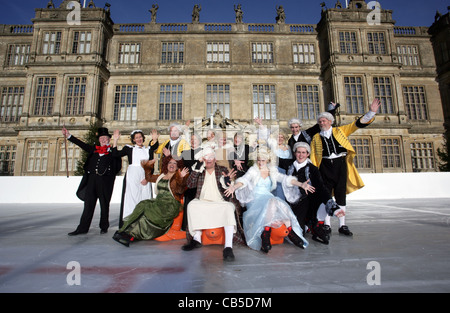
[(100, 172)]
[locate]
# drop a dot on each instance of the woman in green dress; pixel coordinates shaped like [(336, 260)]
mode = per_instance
[(152, 218)]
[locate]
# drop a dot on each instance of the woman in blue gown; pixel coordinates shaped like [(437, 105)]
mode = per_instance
[(264, 210)]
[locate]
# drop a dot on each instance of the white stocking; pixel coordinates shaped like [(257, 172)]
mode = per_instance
[(198, 236), (342, 218), (229, 233), (327, 220)]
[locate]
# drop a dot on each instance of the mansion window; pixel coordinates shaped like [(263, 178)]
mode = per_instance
[(363, 148), (408, 55), (172, 53), (7, 160), (218, 98), (377, 43), (308, 101), (348, 43), (45, 96), (262, 52), (76, 94), (52, 43), (11, 103), (415, 102), (264, 102), (125, 103), (390, 153), (37, 156), (18, 55), (354, 95), (171, 102), (422, 156), (218, 52), (383, 90), (129, 53), (304, 53), (81, 42), (73, 155)]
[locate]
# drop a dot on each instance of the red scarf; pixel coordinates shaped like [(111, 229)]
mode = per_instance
[(102, 149)]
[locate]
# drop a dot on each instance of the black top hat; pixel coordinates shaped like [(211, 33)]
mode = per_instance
[(103, 132)]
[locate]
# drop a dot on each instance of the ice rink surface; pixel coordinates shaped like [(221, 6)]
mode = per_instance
[(399, 246)]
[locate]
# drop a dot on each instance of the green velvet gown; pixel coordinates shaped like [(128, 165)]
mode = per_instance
[(152, 218)]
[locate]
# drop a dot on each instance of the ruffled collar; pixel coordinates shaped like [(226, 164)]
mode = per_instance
[(327, 133), (299, 166)]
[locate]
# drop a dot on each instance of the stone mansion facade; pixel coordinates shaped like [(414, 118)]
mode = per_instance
[(146, 76)]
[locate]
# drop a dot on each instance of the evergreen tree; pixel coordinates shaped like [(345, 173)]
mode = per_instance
[(91, 139), (444, 154)]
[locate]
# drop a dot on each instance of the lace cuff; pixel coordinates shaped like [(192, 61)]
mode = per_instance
[(291, 192)]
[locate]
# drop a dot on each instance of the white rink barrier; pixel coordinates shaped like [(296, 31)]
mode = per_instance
[(403, 186), (46, 189), (60, 189)]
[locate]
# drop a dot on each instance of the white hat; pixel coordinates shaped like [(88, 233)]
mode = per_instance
[(326, 115), (204, 151), (178, 126), (295, 121), (136, 131), (302, 145)]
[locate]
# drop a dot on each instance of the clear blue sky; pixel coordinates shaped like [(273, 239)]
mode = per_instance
[(405, 12)]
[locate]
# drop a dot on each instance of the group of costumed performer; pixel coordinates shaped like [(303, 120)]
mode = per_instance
[(319, 170)]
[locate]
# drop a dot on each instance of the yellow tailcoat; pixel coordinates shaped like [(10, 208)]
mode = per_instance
[(341, 133), (183, 145)]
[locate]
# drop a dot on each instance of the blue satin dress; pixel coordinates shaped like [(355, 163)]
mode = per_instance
[(267, 210)]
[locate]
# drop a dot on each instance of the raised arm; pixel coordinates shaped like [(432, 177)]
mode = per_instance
[(197, 170), (148, 168), (116, 136), (181, 177), (78, 142), (154, 143), (375, 106), (119, 153), (373, 109)]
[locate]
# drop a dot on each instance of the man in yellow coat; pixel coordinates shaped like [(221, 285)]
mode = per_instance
[(333, 154), (175, 145)]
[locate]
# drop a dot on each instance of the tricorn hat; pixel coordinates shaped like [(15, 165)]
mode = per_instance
[(103, 132)]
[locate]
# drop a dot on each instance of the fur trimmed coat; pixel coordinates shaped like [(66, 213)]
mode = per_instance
[(178, 184)]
